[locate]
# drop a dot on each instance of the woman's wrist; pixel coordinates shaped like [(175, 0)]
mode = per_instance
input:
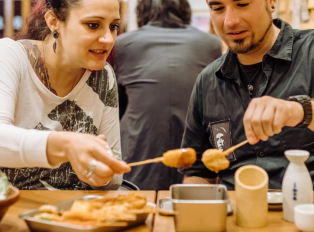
[(56, 148)]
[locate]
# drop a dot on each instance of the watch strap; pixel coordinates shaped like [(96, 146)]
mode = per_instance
[(305, 101)]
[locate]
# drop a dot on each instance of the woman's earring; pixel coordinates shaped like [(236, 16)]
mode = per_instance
[(55, 35)]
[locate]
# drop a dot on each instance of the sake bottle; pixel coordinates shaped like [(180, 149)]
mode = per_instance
[(297, 186)]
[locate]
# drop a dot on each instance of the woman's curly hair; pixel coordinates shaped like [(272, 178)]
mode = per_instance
[(36, 27), (171, 13)]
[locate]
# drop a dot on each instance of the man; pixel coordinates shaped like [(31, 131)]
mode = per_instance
[(247, 89), (156, 69)]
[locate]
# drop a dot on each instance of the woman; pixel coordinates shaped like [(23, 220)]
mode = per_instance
[(46, 85)]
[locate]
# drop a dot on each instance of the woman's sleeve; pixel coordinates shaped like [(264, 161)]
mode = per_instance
[(110, 127), (18, 147)]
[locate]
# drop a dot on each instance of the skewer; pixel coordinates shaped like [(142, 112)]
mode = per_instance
[(231, 149), (149, 161)]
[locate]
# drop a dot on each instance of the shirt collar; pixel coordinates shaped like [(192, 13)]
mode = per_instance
[(282, 49)]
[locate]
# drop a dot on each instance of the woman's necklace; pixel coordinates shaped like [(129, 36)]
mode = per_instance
[(48, 84), (250, 87)]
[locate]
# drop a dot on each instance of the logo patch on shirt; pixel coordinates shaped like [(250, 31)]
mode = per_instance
[(221, 136)]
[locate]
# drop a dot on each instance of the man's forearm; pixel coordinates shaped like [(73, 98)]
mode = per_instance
[(199, 180)]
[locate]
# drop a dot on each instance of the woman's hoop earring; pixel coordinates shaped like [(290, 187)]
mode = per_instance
[(55, 35)]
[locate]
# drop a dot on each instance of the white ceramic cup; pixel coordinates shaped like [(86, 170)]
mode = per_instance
[(304, 217)]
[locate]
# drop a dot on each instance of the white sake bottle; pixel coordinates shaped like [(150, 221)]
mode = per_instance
[(297, 186)]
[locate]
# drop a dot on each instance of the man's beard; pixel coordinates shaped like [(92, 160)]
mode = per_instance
[(242, 48)]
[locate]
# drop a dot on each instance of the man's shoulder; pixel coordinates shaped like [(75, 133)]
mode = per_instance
[(210, 70), (302, 36)]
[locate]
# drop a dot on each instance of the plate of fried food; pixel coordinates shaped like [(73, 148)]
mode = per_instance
[(90, 213)]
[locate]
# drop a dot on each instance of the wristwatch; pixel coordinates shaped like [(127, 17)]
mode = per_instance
[(305, 101)]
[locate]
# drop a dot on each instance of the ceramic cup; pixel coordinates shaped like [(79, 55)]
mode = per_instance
[(251, 186), (304, 217)]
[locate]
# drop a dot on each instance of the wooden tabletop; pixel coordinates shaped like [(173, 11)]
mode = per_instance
[(276, 223), (30, 199)]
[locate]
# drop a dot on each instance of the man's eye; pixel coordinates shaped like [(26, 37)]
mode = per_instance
[(115, 27), (217, 8), (93, 25), (243, 5)]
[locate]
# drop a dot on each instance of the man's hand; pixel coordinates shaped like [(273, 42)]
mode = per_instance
[(266, 116)]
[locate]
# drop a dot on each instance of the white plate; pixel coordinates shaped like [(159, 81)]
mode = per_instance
[(274, 198)]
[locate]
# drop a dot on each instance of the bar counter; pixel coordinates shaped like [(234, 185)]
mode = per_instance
[(33, 199)]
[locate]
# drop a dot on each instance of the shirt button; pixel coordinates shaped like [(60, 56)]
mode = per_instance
[(261, 154)]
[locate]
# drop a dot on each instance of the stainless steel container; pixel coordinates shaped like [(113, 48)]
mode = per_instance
[(51, 226), (200, 207)]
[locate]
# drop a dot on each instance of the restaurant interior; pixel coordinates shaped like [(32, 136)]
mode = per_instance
[(251, 206)]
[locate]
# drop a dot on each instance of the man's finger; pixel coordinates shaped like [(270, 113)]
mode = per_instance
[(279, 119), (268, 120), (257, 122), (247, 122)]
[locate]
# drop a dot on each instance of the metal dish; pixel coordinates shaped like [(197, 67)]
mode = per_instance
[(200, 207), (51, 226), (166, 204)]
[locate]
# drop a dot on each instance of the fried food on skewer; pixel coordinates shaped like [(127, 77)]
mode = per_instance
[(184, 157), (215, 159)]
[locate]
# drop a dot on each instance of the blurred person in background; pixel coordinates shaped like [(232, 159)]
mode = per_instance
[(156, 67), (54, 110)]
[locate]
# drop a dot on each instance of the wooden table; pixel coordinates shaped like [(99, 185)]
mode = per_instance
[(30, 199), (276, 223)]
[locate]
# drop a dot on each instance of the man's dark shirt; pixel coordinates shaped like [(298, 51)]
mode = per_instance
[(251, 74), (220, 99)]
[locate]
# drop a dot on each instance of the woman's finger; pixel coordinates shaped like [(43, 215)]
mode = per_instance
[(101, 154), (104, 170), (102, 136)]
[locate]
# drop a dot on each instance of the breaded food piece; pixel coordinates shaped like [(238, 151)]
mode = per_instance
[(78, 215), (48, 216), (184, 158), (49, 209), (82, 206), (215, 160)]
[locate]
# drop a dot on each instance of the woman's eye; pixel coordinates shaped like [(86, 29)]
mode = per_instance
[(217, 8), (243, 5), (115, 27), (93, 25)]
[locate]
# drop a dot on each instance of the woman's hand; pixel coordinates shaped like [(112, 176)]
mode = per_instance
[(80, 150), (266, 116)]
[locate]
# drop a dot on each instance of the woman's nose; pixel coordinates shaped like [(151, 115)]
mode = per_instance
[(107, 37)]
